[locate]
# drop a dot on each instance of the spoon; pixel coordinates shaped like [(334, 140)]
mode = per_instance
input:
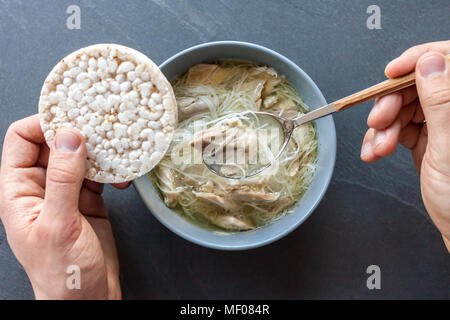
[(287, 126)]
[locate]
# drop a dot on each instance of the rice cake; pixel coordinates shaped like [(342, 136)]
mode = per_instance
[(120, 102)]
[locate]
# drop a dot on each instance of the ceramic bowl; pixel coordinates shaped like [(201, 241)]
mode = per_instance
[(311, 94)]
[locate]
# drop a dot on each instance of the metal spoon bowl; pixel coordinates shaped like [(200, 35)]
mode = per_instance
[(287, 127)]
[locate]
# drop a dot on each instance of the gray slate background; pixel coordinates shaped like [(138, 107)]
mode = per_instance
[(371, 214)]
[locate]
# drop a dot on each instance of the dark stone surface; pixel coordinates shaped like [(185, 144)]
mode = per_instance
[(371, 214)]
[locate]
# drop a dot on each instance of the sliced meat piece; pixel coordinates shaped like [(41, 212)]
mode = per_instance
[(270, 101), (271, 77), (232, 122), (288, 107), (230, 222), (200, 73), (229, 171), (168, 183), (271, 83), (302, 134), (188, 107), (206, 74), (237, 149), (184, 102), (263, 71), (218, 200), (254, 88), (246, 194), (207, 187), (243, 139), (205, 137), (219, 75), (284, 203)]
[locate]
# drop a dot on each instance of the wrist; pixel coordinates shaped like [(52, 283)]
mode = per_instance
[(50, 291), (67, 294), (58, 288), (114, 290)]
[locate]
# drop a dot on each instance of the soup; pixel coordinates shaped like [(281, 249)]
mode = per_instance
[(206, 95)]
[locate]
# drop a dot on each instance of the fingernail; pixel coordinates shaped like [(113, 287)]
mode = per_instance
[(67, 141), (380, 136), (432, 66), (366, 149)]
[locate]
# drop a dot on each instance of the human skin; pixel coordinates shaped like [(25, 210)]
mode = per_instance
[(399, 118), (54, 218)]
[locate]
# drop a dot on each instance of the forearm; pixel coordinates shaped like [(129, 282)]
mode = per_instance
[(61, 285), (447, 243)]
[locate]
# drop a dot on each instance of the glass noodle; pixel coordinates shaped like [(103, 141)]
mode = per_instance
[(206, 94)]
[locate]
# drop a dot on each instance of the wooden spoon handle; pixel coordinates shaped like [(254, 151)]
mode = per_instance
[(376, 91)]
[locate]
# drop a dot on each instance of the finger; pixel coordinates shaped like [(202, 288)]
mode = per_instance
[(408, 59), (418, 117), (91, 204), (22, 143), (44, 153), (433, 86), (367, 154), (385, 141), (385, 111), (35, 179), (407, 113), (93, 186), (419, 149), (410, 135), (65, 174), (122, 185), (387, 108), (31, 183)]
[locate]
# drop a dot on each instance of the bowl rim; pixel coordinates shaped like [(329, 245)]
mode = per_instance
[(327, 179)]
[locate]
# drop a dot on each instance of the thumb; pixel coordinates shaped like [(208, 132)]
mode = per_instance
[(65, 174), (433, 87)]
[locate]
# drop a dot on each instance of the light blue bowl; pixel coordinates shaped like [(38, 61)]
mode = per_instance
[(177, 65)]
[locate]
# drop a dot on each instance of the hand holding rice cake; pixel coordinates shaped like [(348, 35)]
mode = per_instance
[(120, 102)]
